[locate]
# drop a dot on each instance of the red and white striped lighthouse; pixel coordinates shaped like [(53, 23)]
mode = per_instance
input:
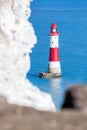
[(54, 69), (54, 58)]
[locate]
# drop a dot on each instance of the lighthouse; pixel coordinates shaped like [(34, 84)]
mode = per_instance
[(54, 58), (54, 68)]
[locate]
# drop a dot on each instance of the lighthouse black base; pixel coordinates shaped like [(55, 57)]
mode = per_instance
[(49, 75)]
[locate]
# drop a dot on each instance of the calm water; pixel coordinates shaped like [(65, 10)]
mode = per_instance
[(71, 18)]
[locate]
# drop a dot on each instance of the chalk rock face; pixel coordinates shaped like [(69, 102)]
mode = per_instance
[(16, 40)]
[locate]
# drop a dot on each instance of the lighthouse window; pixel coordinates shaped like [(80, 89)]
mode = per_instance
[(52, 42), (55, 37), (53, 29)]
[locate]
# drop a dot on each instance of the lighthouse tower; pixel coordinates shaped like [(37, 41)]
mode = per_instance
[(54, 58), (54, 69)]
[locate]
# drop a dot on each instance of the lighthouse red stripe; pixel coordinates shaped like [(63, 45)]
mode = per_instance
[(54, 33), (54, 54)]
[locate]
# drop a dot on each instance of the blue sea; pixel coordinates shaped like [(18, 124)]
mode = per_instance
[(71, 18)]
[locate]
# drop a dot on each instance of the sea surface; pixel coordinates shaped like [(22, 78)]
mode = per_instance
[(71, 18)]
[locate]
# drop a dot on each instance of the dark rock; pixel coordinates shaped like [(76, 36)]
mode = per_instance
[(76, 98), (69, 100)]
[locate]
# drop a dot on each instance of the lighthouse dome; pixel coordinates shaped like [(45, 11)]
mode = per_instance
[(54, 25)]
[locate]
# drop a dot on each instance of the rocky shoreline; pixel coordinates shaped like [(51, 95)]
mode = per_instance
[(14, 117)]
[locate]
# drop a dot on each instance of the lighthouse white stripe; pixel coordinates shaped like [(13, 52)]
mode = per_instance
[(54, 41), (54, 64)]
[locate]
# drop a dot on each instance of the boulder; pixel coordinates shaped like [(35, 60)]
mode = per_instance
[(14, 117), (76, 98)]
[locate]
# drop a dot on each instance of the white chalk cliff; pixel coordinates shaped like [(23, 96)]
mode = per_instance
[(16, 41)]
